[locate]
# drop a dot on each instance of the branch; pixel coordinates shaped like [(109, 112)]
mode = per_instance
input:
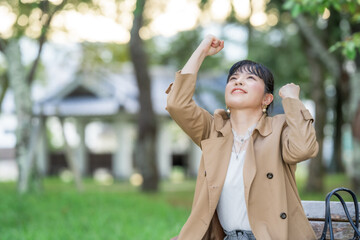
[(42, 40), (329, 61), (4, 87), (2, 45)]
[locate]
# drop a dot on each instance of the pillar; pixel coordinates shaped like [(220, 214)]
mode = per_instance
[(194, 158), (163, 150), (81, 157), (122, 162), (42, 159)]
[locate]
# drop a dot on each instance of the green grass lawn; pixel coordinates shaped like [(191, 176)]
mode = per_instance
[(118, 211), (331, 181)]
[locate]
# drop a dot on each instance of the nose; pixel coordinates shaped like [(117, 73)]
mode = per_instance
[(239, 82)]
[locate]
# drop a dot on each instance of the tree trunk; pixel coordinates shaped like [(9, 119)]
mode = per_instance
[(23, 108), (355, 176), (342, 91), (336, 163), (315, 181), (145, 155)]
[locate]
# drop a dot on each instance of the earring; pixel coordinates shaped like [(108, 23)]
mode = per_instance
[(227, 110), (264, 108)]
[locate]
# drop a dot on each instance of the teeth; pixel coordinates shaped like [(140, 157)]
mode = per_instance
[(237, 91)]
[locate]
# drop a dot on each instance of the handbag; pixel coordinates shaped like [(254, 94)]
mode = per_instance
[(328, 222)]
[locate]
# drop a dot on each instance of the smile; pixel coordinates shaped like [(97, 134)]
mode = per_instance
[(238, 90)]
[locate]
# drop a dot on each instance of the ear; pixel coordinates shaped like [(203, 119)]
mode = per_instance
[(268, 98)]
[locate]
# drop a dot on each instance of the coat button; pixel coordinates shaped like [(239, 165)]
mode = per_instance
[(283, 215), (269, 175)]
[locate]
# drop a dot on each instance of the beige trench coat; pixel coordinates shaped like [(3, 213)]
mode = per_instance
[(276, 145)]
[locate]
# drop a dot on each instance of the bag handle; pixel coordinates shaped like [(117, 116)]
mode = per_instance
[(328, 221)]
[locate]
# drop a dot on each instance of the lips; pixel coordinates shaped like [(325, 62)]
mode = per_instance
[(238, 90)]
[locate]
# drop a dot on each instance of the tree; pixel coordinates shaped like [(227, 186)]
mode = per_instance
[(19, 79), (349, 9), (348, 41), (145, 155)]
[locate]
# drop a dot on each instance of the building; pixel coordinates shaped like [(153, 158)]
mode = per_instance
[(99, 112)]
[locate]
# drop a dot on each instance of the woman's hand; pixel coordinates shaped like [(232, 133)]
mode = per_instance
[(289, 90), (211, 45)]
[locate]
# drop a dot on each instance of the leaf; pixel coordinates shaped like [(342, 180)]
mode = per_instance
[(350, 54), (296, 10), (334, 47), (356, 39), (337, 5), (288, 5), (356, 17), (352, 7), (350, 50), (203, 3)]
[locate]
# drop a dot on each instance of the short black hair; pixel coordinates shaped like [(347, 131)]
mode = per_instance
[(257, 69)]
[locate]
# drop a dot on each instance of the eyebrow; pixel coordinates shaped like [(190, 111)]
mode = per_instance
[(247, 73)]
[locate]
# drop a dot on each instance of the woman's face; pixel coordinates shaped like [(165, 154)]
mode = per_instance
[(245, 90)]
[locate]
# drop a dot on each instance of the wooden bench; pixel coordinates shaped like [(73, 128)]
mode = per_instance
[(315, 212)]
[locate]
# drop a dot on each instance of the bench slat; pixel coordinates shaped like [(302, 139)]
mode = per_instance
[(342, 230), (315, 210)]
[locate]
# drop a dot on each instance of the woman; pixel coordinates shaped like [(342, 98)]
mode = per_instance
[(246, 180)]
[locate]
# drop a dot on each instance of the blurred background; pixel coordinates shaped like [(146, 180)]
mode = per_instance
[(87, 149)]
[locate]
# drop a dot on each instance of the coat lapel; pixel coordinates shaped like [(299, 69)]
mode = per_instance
[(217, 152), (216, 158), (263, 128), (250, 166)]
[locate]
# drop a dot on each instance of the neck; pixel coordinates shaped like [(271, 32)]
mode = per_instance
[(242, 119)]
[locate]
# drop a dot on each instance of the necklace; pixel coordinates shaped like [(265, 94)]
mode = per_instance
[(240, 140)]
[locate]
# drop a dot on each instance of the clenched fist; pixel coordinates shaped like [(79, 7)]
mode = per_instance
[(211, 45), (289, 90)]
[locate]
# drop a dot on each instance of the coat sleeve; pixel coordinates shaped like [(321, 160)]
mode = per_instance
[(298, 137), (194, 120)]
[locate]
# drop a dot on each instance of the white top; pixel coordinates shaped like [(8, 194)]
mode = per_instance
[(231, 208)]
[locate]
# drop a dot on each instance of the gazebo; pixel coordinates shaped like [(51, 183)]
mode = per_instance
[(112, 99)]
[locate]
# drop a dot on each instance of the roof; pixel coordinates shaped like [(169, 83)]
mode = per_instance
[(110, 93)]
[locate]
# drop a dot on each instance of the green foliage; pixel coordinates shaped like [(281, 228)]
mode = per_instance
[(103, 55), (178, 50), (349, 9), (318, 6), (37, 12), (349, 46), (294, 7), (111, 212), (284, 57)]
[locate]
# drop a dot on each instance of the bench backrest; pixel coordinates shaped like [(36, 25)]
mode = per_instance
[(315, 212)]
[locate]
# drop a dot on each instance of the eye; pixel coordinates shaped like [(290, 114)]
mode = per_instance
[(232, 78), (251, 77)]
